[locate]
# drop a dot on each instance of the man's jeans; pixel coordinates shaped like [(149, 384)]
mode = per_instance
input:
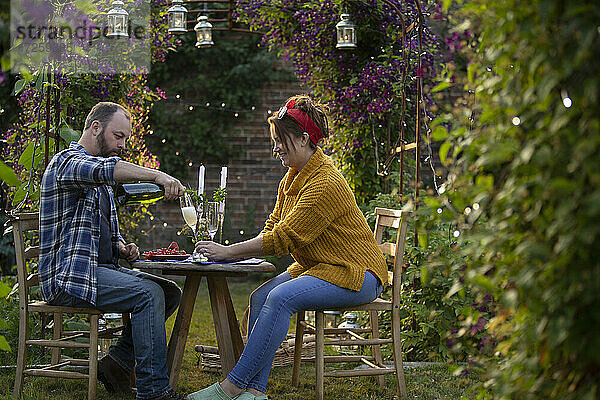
[(150, 300), (271, 308)]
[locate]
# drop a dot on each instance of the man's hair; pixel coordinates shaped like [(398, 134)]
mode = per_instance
[(103, 113)]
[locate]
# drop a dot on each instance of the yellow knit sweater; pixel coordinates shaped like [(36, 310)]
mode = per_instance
[(317, 221)]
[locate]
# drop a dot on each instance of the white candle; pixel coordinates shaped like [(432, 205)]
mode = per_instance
[(223, 186), (201, 180)]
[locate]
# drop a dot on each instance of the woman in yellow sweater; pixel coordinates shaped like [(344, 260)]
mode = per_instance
[(316, 220)]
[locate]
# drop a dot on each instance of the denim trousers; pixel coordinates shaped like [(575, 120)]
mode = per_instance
[(149, 300), (271, 308)]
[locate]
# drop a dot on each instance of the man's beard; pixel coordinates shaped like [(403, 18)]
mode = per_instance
[(103, 148)]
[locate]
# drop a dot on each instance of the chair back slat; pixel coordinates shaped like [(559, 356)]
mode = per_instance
[(28, 221), (33, 280), (389, 222), (23, 223), (31, 252), (388, 248), (395, 219)]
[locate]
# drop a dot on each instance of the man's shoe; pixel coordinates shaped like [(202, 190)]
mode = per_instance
[(114, 378), (170, 395)]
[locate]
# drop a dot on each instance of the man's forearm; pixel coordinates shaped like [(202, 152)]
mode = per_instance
[(127, 172)]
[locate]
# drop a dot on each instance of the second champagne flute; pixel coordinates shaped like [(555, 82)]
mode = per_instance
[(212, 218), (189, 213)]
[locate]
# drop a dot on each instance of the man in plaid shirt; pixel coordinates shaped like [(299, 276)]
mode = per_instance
[(80, 245)]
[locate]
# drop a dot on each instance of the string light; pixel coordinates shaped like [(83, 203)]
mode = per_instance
[(177, 96), (567, 102), (241, 231), (164, 140), (468, 210), (516, 121), (475, 206), (439, 211), (191, 108), (456, 233), (165, 224)]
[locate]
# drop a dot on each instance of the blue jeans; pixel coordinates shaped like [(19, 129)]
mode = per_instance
[(271, 308), (150, 300)]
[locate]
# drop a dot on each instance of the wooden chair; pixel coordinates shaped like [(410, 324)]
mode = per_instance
[(61, 339), (386, 218)]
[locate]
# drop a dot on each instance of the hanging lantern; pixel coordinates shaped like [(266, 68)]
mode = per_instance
[(203, 32), (346, 39), (118, 20), (177, 17)]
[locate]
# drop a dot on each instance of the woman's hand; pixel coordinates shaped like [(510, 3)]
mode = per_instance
[(213, 251)]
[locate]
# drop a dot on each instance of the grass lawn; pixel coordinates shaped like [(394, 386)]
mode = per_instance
[(435, 382)]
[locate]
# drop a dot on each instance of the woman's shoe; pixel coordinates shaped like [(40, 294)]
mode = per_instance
[(213, 392), (250, 396)]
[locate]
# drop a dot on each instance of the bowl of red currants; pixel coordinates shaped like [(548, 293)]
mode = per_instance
[(166, 253)]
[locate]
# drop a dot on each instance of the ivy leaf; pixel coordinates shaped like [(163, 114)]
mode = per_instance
[(19, 87), (441, 86), (8, 175), (4, 346), (439, 133), (69, 135), (19, 196), (444, 148), (4, 290), (26, 155)]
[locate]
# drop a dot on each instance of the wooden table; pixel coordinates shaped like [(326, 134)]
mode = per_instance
[(227, 329)]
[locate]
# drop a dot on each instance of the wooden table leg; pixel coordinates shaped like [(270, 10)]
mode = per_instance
[(227, 328), (181, 328)]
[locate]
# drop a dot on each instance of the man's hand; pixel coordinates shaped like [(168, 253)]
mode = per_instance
[(130, 251), (173, 188)]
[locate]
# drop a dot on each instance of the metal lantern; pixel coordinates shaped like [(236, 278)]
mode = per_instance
[(177, 17), (346, 38), (203, 32), (118, 20)]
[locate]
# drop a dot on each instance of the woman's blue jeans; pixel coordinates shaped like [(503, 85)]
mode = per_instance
[(150, 300), (271, 308)]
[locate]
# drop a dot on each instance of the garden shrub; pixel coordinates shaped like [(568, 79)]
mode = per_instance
[(523, 192)]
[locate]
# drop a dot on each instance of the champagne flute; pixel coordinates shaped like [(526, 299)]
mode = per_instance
[(189, 213), (212, 218)]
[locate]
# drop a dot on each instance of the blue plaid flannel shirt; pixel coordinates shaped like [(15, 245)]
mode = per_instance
[(70, 222)]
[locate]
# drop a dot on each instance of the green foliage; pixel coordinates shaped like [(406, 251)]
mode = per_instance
[(432, 309), (525, 193), (216, 82)]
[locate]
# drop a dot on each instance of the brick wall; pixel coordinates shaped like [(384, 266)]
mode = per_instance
[(252, 179)]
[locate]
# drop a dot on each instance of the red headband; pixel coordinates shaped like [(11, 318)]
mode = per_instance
[(307, 124)]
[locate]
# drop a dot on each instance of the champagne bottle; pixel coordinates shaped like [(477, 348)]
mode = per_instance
[(138, 193)]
